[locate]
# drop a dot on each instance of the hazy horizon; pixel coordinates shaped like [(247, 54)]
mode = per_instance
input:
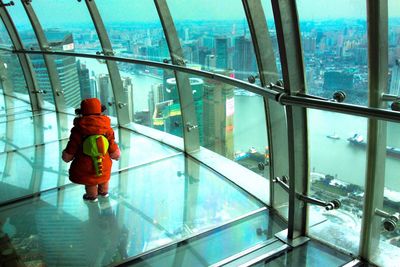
[(182, 10)]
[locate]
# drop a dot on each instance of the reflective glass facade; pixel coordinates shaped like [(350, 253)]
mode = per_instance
[(254, 133)]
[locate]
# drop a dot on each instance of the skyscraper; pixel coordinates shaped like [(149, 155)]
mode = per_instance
[(105, 93), (210, 62), (222, 52), (13, 70), (191, 51), (218, 111), (84, 81), (197, 87), (66, 66), (244, 61), (59, 40), (207, 41), (128, 95)]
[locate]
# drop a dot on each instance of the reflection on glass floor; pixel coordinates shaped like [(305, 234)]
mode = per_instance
[(215, 247), (38, 167), (149, 205), (310, 254)]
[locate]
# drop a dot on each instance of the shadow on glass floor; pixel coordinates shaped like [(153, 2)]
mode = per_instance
[(149, 206)]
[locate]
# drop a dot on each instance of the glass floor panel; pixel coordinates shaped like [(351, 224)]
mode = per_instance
[(182, 195), (310, 254), (137, 149), (24, 172), (218, 245), (149, 206)]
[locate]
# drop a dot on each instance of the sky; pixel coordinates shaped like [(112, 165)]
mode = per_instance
[(62, 11)]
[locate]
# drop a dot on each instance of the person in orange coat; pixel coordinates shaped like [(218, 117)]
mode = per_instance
[(90, 121)]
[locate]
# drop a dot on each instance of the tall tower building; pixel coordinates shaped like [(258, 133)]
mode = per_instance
[(155, 96), (93, 85), (13, 70), (218, 111), (164, 52), (197, 86), (210, 62), (207, 41), (153, 53), (128, 94), (84, 81), (310, 43), (66, 67), (191, 51), (244, 61), (222, 52), (105, 93)]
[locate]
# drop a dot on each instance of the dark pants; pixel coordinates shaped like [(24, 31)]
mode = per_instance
[(93, 190)]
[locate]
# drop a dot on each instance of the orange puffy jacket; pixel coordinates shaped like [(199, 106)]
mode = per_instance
[(82, 170)]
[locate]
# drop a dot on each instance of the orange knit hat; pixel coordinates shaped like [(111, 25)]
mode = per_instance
[(91, 106)]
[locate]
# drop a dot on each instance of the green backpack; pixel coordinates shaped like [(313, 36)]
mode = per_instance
[(96, 147)]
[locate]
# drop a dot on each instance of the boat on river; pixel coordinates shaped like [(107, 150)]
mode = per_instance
[(358, 140)]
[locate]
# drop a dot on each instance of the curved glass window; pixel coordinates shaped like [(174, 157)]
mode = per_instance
[(213, 40), (337, 155), (335, 48), (23, 25), (135, 30), (64, 33)]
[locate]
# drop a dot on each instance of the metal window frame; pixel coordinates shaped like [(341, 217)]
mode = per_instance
[(274, 112), (50, 63), (30, 79), (190, 130), (39, 155), (377, 17), (287, 27), (121, 103)]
